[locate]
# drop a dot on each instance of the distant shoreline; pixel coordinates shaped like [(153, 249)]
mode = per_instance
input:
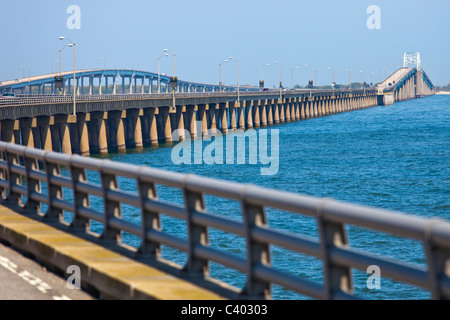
[(443, 92)]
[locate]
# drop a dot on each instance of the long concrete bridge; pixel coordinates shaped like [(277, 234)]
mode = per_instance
[(118, 122), (32, 126)]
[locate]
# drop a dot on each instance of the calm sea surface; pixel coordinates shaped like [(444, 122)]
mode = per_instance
[(395, 157)]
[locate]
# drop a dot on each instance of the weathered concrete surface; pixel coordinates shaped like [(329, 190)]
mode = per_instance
[(111, 274)]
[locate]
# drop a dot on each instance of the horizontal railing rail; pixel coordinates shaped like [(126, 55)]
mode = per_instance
[(33, 99), (24, 171)]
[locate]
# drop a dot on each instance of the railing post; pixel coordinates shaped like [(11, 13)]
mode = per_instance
[(196, 234), (437, 262), (257, 253), (33, 185), (80, 199), (13, 178), (332, 234), (54, 191), (3, 173), (111, 208), (150, 219)]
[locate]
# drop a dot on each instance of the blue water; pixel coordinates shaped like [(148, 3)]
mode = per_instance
[(395, 157)]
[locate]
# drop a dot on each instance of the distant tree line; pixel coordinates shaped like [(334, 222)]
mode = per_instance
[(444, 88)]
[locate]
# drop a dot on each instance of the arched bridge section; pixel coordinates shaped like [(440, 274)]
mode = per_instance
[(108, 81), (407, 83)]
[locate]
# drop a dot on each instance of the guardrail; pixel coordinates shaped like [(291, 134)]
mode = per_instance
[(21, 176), (24, 99)]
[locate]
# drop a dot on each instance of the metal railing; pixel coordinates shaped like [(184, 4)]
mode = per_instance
[(35, 99), (19, 164)]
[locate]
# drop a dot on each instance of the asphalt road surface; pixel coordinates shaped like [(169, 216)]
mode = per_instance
[(22, 278)]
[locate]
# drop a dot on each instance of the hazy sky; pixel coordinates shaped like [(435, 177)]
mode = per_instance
[(202, 33)]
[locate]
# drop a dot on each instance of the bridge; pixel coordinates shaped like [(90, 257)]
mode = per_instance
[(44, 134), (104, 81)]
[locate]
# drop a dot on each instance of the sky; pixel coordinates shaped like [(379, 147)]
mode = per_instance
[(202, 33)]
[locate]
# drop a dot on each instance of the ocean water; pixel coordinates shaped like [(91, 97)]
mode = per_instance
[(395, 157)]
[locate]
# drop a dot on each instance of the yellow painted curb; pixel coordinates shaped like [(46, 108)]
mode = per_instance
[(112, 274)]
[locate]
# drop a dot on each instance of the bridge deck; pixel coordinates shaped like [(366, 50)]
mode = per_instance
[(395, 77), (113, 275)]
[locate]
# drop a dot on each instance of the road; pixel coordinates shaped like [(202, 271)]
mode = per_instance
[(22, 278)]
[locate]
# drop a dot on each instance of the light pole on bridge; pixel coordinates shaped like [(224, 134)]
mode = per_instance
[(261, 83), (281, 82), (292, 76), (220, 72), (349, 78), (72, 44), (315, 76), (310, 79), (159, 73), (333, 83)]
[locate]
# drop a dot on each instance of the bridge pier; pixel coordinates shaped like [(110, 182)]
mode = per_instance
[(232, 115), (248, 113), (255, 114), (263, 113), (223, 117), (201, 113)]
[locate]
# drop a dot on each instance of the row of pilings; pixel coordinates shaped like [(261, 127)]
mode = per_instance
[(413, 87), (103, 132)]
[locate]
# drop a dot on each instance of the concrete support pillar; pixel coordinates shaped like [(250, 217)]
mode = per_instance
[(135, 127), (7, 130), (255, 114), (248, 114), (27, 132), (91, 85), (180, 122), (64, 139), (101, 136), (293, 103), (263, 113), (287, 108), (224, 118), (153, 129), (281, 109), (43, 123), (164, 111), (301, 110), (232, 115), (240, 115), (212, 117), (82, 133), (276, 113), (190, 113), (311, 108), (270, 108), (202, 117)]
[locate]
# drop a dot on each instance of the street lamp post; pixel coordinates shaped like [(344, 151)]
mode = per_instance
[(220, 72), (349, 78), (261, 83), (292, 76), (72, 44), (310, 80), (159, 73), (281, 82), (333, 83), (237, 63), (315, 76)]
